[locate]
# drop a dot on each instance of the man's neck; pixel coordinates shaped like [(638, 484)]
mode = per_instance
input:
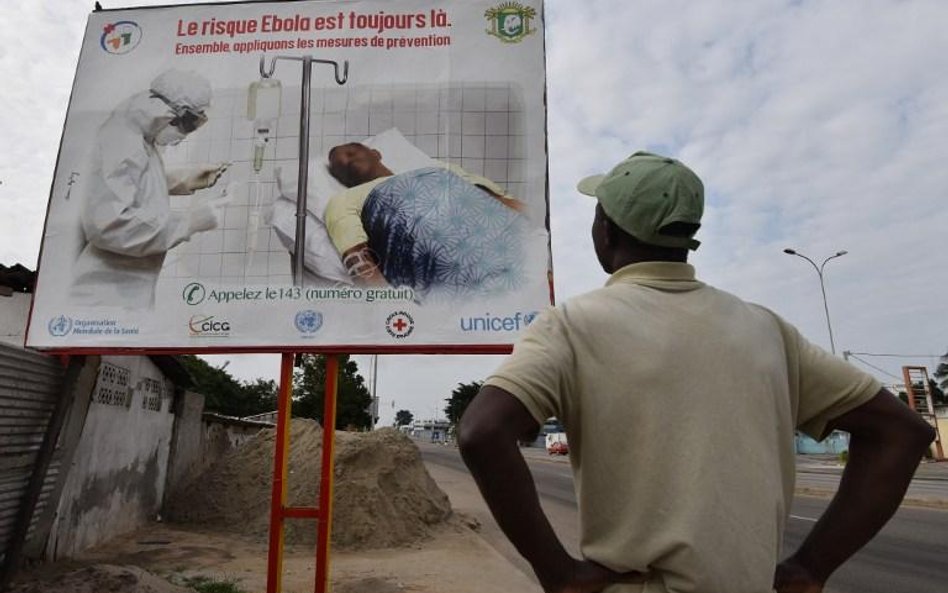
[(382, 171)]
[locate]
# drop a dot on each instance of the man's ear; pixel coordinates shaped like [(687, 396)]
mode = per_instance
[(377, 154), (609, 231)]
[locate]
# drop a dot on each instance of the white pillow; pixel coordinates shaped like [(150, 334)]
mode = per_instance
[(398, 154), (322, 186)]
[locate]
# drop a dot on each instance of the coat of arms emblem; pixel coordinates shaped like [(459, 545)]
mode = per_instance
[(510, 21)]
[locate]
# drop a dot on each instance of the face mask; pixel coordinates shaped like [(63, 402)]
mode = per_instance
[(169, 136)]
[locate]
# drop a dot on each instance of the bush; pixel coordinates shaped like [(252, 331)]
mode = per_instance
[(206, 585)]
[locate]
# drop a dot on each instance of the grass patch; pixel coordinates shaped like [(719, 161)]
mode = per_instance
[(206, 585)]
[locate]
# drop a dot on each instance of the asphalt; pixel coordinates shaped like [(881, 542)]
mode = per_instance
[(908, 555), (806, 464), (819, 475)]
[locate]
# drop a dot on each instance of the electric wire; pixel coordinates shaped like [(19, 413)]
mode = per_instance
[(869, 364)]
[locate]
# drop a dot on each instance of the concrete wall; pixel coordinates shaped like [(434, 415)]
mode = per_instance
[(200, 439), (942, 432), (187, 446), (235, 436), (223, 434), (14, 310), (119, 471), (835, 443)]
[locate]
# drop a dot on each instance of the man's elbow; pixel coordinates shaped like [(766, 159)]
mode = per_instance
[(473, 436), (480, 438), (924, 434), (492, 425), (913, 436)]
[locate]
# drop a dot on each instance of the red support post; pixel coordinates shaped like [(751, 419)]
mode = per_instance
[(324, 528), (280, 468)]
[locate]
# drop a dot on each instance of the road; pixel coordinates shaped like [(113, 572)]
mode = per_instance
[(910, 555)]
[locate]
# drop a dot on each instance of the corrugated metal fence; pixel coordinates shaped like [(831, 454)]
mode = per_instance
[(31, 384)]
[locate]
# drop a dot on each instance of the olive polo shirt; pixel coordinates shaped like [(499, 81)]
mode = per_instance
[(680, 403)]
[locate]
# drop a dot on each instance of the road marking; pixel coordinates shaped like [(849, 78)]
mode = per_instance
[(803, 518)]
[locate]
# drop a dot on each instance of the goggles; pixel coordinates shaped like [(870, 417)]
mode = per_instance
[(185, 119)]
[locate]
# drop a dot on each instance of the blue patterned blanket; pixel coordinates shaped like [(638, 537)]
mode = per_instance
[(435, 232)]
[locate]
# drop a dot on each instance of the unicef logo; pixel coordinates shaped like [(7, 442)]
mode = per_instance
[(308, 321), (60, 326), (120, 37), (194, 293)]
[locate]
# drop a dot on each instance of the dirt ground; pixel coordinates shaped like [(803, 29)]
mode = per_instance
[(455, 555), (456, 559)]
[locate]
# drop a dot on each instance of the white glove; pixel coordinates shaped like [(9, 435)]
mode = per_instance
[(207, 214), (206, 176)]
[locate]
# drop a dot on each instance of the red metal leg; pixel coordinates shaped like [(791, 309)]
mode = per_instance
[(278, 497), (324, 529)]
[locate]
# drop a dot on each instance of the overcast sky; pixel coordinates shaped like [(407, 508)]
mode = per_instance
[(821, 126)]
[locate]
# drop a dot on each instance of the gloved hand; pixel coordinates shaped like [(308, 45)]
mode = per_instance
[(207, 213), (206, 176)]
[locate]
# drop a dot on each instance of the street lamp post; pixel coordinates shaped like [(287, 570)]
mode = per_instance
[(819, 272)]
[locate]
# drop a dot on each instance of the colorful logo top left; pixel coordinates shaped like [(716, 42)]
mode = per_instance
[(120, 37)]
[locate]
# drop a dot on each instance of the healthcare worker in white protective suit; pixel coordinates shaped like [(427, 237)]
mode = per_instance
[(127, 221)]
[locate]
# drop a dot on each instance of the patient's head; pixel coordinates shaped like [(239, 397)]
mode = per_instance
[(354, 164)]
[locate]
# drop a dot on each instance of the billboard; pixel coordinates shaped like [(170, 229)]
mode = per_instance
[(364, 175)]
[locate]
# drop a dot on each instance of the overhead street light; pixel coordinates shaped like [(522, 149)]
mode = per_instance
[(819, 272)]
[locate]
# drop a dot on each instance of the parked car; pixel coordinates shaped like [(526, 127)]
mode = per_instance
[(556, 443)]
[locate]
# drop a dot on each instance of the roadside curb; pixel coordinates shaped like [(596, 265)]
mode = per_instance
[(912, 501), (835, 471)]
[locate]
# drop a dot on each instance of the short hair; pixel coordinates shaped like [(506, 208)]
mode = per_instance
[(329, 155)]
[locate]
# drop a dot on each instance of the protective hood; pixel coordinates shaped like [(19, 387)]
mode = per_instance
[(183, 89)]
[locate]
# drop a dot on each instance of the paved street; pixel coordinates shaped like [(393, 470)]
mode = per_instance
[(908, 556)]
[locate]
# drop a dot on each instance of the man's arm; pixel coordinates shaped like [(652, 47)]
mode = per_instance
[(488, 434), (361, 264), (512, 203), (887, 442)]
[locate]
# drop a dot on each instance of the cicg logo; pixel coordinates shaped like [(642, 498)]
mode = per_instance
[(208, 326)]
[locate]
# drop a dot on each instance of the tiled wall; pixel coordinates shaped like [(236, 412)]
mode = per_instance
[(477, 126)]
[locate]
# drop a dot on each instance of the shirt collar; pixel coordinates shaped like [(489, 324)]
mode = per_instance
[(676, 276)]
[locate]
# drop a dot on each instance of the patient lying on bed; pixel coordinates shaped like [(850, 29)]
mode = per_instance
[(438, 230)]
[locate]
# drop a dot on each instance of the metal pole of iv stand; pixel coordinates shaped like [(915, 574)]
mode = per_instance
[(279, 511), (303, 177)]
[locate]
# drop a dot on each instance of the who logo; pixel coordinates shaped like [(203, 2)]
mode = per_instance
[(120, 37)]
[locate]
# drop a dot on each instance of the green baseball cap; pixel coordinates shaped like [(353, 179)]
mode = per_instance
[(656, 199)]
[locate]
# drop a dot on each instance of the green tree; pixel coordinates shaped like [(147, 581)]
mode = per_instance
[(352, 396), (938, 394), (260, 395), (459, 400), (941, 373), (403, 418), (224, 394)]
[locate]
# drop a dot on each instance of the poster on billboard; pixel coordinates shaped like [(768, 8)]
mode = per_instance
[(365, 175)]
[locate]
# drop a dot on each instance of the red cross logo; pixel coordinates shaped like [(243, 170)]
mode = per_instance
[(399, 324)]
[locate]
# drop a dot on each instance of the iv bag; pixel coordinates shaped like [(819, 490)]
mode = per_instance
[(264, 99)]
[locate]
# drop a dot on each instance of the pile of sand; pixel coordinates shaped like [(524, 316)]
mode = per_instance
[(101, 578), (383, 495)]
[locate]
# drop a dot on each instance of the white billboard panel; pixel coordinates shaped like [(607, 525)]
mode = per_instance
[(174, 220)]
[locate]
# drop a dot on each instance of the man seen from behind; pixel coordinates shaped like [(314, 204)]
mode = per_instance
[(680, 403)]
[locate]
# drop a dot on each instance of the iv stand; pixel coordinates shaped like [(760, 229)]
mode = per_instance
[(341, 78)]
